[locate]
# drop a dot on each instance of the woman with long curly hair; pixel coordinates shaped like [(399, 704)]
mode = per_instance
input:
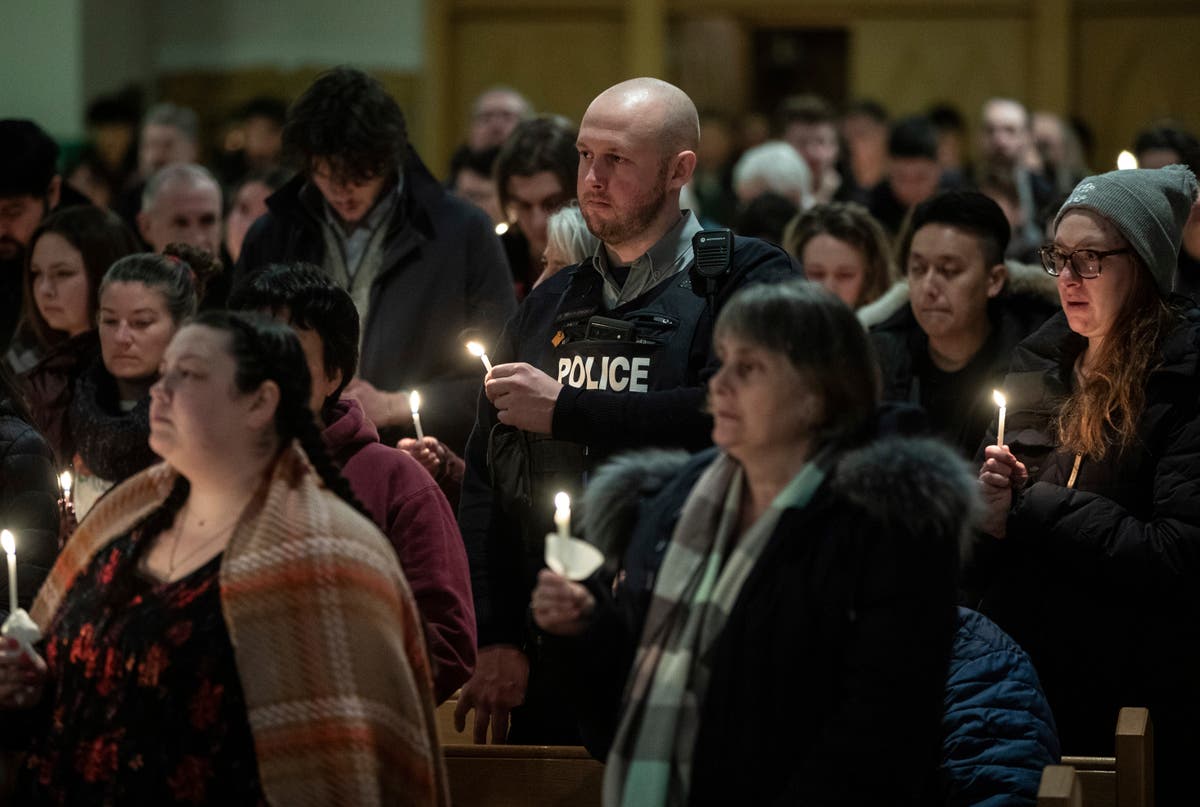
[(1095, 496)]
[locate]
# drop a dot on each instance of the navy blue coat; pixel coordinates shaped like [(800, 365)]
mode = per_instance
[(999, 732)]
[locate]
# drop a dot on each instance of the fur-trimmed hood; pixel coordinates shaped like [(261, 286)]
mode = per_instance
[(1024, 279), (920, 482)]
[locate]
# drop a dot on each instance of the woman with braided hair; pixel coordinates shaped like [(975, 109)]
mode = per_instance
[(97, 418), (227, 627), (144, 299)]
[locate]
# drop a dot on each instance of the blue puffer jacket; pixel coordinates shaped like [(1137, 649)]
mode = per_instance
[(999, 731)]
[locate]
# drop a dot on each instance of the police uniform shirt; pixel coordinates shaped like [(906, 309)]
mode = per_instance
[(669, 255)]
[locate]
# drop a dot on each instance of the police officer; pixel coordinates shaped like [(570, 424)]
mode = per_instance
[(608, 355)]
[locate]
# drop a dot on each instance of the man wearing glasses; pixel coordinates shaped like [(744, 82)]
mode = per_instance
[(950, 346)]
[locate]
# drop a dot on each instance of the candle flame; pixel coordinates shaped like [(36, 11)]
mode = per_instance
[(414, 401), (9, 543), (502, 228), (64, 481), (475, 348), (1126, 160), (998, 397), (562, 501)]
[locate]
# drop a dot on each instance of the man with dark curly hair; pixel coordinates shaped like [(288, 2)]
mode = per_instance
[(535, 177), (421, 265)]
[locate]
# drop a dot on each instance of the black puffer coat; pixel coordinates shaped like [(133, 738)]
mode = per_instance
[(28, 503), (1101, 583)]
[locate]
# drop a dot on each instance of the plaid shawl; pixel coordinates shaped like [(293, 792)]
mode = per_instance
[(650, 760), (327, 639)]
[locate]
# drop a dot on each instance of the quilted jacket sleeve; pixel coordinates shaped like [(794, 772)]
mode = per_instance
[(998, 729), (28, 505)]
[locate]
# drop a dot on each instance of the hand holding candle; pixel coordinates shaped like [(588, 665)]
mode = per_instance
[(998, 397), (18, 625), (414, 403), (476, 349)]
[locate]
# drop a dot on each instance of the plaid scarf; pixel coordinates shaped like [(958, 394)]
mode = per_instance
[(697, 587), (326, 636)]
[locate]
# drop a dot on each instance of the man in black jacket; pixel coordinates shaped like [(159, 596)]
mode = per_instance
[(421, 265), (610, 354), (951, 344)]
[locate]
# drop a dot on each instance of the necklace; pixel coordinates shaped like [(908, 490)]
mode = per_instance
[(172, 562)]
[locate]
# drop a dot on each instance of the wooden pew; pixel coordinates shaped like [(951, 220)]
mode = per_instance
[(445, 724), (515, 775), (522, 776), (1059, 787), (1126, 780)]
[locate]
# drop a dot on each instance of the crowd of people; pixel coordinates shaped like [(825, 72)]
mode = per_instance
[(872, 439)]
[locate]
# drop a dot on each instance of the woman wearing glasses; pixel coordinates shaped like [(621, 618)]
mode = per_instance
[(1095, 498)]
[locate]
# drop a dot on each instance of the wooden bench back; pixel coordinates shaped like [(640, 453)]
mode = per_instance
[(515, 775), (1126, 780), (522, 776), (1059, 787), (445, 724)]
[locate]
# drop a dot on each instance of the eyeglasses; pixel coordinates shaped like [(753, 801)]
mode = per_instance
[(1085, 263)]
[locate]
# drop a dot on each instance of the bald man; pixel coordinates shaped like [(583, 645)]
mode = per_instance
[(609, 355)]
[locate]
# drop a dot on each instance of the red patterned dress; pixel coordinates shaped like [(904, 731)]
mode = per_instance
[(143, 704)]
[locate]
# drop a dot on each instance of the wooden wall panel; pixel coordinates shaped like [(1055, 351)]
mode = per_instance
[(907, 64), (711, 62), (1134, 69), (559, 61)]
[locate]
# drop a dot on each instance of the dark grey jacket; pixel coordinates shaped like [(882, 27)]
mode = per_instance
[(444, 272)]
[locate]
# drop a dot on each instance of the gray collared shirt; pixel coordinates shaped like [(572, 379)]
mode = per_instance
[(354, 242), (669, 255)]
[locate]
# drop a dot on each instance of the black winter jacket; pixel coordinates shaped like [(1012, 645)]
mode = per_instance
[(1101, 583), (28, 504), (902, 346), (444, 272), (502, 574), (837, 648)]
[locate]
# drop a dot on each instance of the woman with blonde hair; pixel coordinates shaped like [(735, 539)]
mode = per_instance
[(568, 241)]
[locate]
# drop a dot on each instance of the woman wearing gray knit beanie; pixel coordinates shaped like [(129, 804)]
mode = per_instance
[(1095, 497)]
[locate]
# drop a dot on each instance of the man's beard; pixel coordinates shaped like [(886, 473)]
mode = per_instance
[(12, 250), (628, 225)]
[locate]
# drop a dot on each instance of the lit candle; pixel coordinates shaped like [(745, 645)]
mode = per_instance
[(10, 549), (477, 350), (414, 403), (562, 514), (998, 397), (1126, 160), (64, 482)]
